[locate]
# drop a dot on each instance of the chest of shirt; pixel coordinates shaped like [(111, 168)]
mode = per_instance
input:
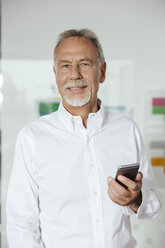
[(65, 157)]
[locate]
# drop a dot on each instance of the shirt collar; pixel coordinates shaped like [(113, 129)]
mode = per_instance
[(94, 121)]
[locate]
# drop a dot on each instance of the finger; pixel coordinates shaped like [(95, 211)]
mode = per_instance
[(120, 198), (111, 190), (132, 185), (120, 195), (125, 180), (116, 191), (109, 179), (115, 196), (136, 186), (139, 176)]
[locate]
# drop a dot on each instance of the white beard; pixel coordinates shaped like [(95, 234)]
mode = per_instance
[(78, 101)]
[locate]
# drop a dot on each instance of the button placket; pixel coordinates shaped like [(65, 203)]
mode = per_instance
[(96, 193)]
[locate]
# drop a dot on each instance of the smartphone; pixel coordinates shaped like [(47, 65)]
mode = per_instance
[(129, 171)]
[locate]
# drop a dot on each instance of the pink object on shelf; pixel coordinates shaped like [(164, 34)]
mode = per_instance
[(158, 101)]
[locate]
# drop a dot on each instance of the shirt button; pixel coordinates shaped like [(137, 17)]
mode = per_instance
[(89, 139), (95, 193), (97, 220), (92, 165)]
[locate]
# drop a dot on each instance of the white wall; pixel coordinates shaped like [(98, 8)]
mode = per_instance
[(129, 30)]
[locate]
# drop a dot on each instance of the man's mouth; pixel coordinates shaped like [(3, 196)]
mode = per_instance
[(76, 88)]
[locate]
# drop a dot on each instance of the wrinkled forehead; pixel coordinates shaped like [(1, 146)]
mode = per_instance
[(76, 47)]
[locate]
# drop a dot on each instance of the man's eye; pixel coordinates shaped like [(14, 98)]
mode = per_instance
[(84, 64), (65, 66)]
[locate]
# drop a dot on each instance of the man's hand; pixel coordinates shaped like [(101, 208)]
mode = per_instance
[(131, 196)]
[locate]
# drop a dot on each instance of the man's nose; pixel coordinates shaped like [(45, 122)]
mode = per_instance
[(75, 73)]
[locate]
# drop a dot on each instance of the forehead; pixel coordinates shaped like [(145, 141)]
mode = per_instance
[(76, 46)]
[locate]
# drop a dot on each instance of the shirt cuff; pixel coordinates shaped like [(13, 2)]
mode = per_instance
[(148, 208)]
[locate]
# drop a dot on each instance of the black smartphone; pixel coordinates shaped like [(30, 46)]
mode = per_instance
[(129, 171)]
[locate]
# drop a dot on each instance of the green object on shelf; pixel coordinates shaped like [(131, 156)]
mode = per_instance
[(158, 110), (48, 107)]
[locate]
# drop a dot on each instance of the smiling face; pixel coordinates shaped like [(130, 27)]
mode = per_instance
[(78, 72)]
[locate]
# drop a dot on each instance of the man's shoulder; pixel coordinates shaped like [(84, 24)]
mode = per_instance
[(121, 120), (119, 123), (40, 124)]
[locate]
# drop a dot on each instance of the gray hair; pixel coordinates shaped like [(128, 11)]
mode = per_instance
[(82, 33)]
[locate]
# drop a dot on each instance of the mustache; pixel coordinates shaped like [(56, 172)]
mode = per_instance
[(77, 83)]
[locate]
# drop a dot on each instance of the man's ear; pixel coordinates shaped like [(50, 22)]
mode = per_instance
[(103, 72), (54, 70)]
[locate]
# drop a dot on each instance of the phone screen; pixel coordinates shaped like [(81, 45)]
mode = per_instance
[(129, 171)]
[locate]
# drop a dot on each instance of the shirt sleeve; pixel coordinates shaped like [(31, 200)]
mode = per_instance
[(151, 193), (22, 208)]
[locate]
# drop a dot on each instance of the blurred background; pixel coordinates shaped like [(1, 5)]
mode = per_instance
[(132, 33)]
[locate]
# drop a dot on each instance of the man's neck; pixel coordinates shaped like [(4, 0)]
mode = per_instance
[(82, 111)]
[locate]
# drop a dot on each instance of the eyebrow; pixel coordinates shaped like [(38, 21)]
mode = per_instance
[(64, 61), (67, 61), (86, 59)]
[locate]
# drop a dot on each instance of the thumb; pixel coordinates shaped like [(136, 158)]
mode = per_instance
[(139, 176), (109, 179)]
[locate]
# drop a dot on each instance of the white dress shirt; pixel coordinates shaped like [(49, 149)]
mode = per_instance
[(57, 196)]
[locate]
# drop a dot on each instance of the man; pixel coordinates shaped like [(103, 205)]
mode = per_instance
[(62, 192)]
